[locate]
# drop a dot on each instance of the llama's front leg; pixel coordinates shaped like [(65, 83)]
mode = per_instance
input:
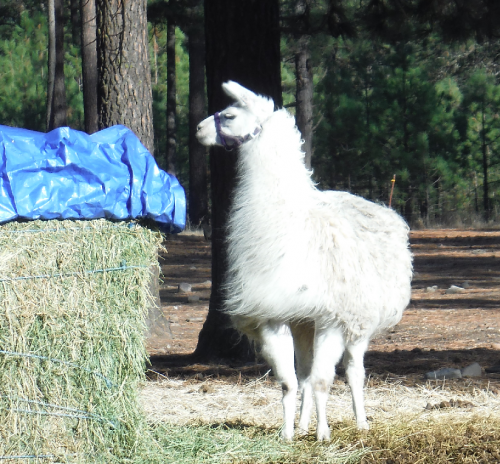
[(328, 348), (277, 349), (303, 341), (306, 406), (355, 372)]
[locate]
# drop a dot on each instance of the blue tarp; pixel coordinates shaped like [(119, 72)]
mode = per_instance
[(68, 174)]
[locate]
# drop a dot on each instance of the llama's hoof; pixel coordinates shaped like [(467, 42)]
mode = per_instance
[(363, 426), (286, 435), (323, 435), (302, 432)]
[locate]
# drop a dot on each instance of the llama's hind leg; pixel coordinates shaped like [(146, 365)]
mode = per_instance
[(277, 349), (328, 348), (303, 342), (355, 372)]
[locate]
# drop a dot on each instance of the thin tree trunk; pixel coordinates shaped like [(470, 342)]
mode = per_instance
[(476, 200), (439, 201), (89, 64), (304, 97), (484, 149), (406, 135), (124, 88), (243, 44), (51, 59), (58, 114), (427, 203), (171, 100), (198, 191), (75, 22), (408, 206)]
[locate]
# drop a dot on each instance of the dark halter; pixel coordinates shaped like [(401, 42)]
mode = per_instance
[(229, 142)]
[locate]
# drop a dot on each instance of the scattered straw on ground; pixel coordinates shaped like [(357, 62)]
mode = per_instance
[(258, 402), (430, 422)]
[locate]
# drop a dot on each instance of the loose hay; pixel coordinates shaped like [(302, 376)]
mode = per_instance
[(258, 402), (73, 300), (238, 443), (188, 413)]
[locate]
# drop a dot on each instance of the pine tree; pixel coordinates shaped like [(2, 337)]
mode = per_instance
[(482, 147), (124, 92)]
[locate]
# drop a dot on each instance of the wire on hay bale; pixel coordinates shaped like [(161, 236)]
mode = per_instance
[(73, 301)]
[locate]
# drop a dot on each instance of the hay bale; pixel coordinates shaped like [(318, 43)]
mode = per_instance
[(73, 300)]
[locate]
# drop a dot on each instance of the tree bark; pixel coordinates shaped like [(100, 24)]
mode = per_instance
[(89, 64), (124, 89), (304, 96), (58, 113), (198, 176), (75, 22), (484, 152), (171, 99), (243, 44), (51, 59)]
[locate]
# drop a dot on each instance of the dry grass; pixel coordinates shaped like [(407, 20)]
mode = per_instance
[(248, 416), (452, 438), (239, 443), (258, 402)]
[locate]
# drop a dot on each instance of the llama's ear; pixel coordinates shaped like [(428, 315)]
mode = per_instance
[(239, 93)]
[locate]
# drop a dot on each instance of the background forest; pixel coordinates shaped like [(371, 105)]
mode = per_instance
[(404, 101)]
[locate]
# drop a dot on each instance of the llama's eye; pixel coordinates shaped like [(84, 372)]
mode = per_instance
[(229, 116)]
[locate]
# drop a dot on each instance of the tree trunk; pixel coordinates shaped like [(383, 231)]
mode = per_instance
[(171, 99), (51, 59), (124, 88), (408, 206), (304, 97), (198, 191), (484, 150), (89, 64), (486, 199), (58, 112), (243, 44), (75, 22), (476, 199)]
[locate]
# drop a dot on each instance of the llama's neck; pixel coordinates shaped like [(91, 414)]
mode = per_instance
[(271, 168)]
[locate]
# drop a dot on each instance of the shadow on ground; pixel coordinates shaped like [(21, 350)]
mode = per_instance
[(399, 363)]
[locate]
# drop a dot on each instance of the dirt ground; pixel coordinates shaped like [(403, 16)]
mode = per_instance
[(438, 329)]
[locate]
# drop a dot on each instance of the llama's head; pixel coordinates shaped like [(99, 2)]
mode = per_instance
[(239, 122)]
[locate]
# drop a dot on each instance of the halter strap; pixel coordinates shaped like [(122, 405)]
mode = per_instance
[(229, 142)]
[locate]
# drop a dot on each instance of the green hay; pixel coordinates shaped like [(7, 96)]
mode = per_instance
[(237, 443), (73, 301), (404, 440)]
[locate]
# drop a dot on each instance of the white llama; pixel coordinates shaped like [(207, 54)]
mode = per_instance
[(310, 273)]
